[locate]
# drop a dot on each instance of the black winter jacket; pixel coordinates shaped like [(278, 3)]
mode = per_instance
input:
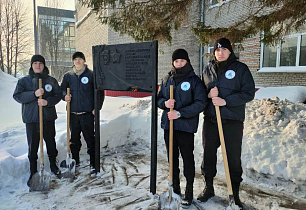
[(25, 94), (235, 85), (190, 98), (81, 90)]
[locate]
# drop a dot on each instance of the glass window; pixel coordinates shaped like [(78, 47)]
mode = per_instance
[(303, 51), (269, 56), (288, 52)]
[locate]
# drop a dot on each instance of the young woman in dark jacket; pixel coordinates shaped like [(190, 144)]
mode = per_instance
[(27, 93), (189, 101), (230, 85)]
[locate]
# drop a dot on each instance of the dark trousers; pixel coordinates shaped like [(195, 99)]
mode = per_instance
[(82, 123), (183, 143), (32, 130), (233, 132)]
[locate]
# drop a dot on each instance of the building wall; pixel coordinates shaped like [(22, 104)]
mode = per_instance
[(228, 15), (89, 32)]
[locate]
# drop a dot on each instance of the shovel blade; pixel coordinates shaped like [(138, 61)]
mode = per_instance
[(68, 168), (40, 181), (169, 200)]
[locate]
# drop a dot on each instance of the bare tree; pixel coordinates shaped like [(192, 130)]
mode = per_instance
[(14, 35)]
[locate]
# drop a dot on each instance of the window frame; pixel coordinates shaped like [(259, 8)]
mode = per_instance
[(278, 68)]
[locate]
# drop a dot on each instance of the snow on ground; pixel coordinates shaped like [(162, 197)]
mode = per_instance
[(273, 157)]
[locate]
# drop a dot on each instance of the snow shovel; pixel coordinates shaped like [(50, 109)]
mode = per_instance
[(41, 180), (68, 165), (232, 205), (169, 200)]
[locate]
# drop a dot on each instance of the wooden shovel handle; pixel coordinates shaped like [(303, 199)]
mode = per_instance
[(171, 141), (68, 122), (224, 155), (41, 135)]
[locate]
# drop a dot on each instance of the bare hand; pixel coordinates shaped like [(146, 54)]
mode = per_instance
[(93, 112), (172, 115), (68, 98), (170, 103), (217, 101), (42, 102), (39, 92), (213, 92)]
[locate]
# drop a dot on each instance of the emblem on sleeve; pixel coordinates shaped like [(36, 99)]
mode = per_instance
[(230, 74), (185, 86), (48, 87), (84, 80)]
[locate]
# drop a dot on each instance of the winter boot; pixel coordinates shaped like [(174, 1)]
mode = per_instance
[(208, 192), (188, 197), (54, 169), (176, 186), (33, 170), (236, 195)]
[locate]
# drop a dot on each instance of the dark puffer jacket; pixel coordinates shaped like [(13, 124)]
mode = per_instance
[(25, 94), (235, 85), (190, 98), (81, 90)]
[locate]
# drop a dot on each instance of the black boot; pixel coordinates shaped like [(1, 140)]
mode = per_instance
[(176, 186), (54, 169), (208, 192), (236, 195), (188, 197), (33, 170)]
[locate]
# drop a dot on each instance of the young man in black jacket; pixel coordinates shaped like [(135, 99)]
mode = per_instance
[(80, 80), (230, 85), (189, 101), (27, 93)]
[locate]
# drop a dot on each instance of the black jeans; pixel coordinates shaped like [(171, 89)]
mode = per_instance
[(183, 143), (82, 123), (233, 133), (33, 138)]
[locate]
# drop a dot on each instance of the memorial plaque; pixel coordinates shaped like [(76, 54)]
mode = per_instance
[(126, 66)]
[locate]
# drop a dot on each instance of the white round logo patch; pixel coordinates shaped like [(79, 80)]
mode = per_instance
[(185, 86), (84, 80), (230, 74), (48, 87)]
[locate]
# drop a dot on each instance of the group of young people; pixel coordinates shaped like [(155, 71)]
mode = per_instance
[(225, 82), (81, 83)]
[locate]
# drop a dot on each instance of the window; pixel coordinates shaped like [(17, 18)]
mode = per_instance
[(288, 55)]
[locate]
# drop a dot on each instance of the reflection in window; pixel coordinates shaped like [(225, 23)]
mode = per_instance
[(269, 56), (288, 52), (303, 51)]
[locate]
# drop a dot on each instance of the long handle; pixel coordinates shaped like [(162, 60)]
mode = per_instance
[(41, 135), (68, 122), (171, 141), (225, 161)]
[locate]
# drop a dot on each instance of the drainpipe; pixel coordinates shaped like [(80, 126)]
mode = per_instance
[(201, 46)]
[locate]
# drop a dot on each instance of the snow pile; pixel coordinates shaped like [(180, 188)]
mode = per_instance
[(275, 139)]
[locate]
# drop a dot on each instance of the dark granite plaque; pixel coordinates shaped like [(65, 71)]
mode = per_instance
[(125, 66)]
